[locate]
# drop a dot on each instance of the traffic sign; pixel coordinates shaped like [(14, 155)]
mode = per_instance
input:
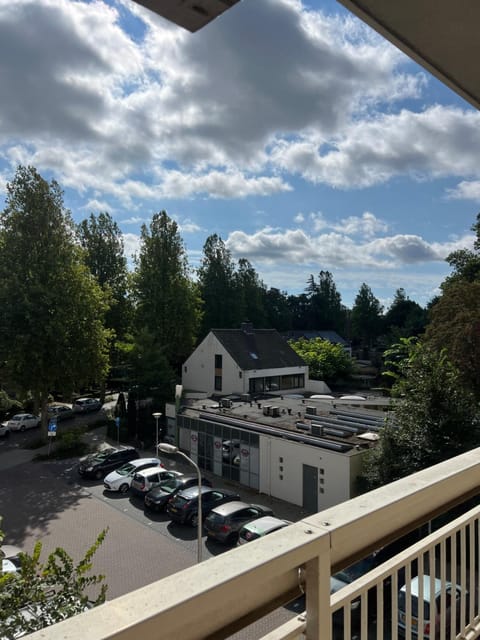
[(52, 427)]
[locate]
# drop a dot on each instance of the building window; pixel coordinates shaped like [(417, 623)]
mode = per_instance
[(185, 369), (218, 383), (239, 374), (218, 361)]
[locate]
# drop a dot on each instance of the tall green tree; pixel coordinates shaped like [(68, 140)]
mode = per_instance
[(405, 318), (277, 309), (251, 291), (167, 305), (102, 242), (218, 287), (455, 326), (435, 417), (366, 318), (52, 334), (325, 304)]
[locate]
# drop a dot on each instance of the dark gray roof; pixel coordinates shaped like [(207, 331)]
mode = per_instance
[(258, 348), (311, 334)]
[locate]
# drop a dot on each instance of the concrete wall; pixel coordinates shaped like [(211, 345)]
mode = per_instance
[(336, 471)]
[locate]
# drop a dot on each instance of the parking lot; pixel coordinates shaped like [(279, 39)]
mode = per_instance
[(49, 501)]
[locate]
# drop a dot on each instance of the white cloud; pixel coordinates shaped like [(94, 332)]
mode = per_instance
[(299, 218), (366, 225), (466, 190), (438, 142), (115, 113), (335, 250)]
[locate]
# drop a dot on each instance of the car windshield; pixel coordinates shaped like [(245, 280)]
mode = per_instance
[(170, 485), (17, 418), (126, 470), (101, 455)]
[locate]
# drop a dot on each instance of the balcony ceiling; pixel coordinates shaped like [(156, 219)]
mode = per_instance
[(441, 35), (191, 14)]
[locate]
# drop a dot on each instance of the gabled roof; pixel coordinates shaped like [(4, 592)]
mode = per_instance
[(258, 348)]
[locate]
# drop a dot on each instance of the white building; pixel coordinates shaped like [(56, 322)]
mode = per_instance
[(244, 361)]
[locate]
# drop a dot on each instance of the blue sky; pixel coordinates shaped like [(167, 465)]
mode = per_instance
[(292, 130)]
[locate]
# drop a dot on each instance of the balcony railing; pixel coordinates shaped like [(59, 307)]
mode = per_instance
[(225, 594)]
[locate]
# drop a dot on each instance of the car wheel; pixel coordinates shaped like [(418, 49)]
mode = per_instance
[(22, 428), (124, 488), (98, 475), (194, 520)]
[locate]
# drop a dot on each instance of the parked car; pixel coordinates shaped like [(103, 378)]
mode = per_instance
[(157, 498), (260, 527), (85, 405), (97, 465), (22, 421), (10, 557), (344, 578), (183, 507), (4, 430), (121, 479), (223, 523), (145, 480), (431, 606), (60, 411)]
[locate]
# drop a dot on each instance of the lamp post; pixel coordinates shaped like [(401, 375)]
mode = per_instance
[(156, 415), (170, 448)]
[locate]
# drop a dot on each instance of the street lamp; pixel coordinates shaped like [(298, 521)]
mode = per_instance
[(156, 415), (171, 448)]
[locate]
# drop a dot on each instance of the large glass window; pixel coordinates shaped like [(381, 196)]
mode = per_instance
[(218, 383), (218, 361)]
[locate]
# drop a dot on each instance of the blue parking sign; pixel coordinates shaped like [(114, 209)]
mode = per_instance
[(52, 427)]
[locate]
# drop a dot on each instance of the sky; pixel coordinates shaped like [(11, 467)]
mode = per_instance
[(290, 129)]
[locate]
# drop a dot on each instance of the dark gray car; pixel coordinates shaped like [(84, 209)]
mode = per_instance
[(224, 522)]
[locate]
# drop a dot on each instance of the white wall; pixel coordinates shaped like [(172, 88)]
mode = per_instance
[(336, 471), (200, 373)]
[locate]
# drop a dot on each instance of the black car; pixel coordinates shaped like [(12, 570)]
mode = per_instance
[(157, 498), (224, 522), (97, 465), (183, 507)]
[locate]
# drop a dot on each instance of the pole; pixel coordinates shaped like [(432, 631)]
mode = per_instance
[(200, 516), (156, 415), (170, 448)]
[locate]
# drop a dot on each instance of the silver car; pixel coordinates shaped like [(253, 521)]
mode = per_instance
[(121, 479), (22, 421)]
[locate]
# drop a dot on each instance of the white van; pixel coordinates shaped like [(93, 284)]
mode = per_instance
[(432, 603)]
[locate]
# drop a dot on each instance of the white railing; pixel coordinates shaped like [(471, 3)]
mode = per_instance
[(226, 593)]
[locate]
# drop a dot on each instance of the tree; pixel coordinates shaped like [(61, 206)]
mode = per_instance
[(466, 263), (455, 326), (405, 318), (251, 291), (325, 304), (167, 300), (102, 242), (277, 310), (435, 418), (218, 287), (366, 317), (41, 594), (52, 335), (326, 361)]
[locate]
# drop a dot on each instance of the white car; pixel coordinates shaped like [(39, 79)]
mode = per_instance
[(145, 480), (9, 555), (121, 479), (22, 421)]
